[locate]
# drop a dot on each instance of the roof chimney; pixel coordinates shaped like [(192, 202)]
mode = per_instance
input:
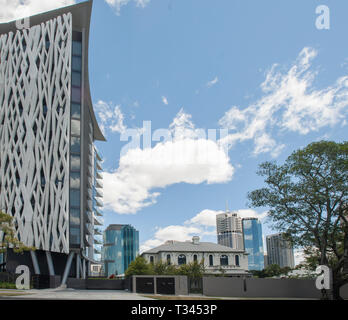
[(195, 240)]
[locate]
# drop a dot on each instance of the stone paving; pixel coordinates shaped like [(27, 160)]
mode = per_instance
[(69, 294)]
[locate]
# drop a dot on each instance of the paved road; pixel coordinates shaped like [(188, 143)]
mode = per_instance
[(70, 294)]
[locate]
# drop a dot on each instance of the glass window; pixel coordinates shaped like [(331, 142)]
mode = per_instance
[(211, 260), (77, 48), (224, 260), (76, 110), (75, 145), (74, 235), (75, 127), (76, 79), (75, 180), (181, 259), (75, 216), (168, 259), (151, 259), (76, 95), (237, 260), (75, 163), (195, 258), (74, 197), (76, 63)]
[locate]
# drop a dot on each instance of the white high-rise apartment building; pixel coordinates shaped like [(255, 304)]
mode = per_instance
[(230, 230), (49, 167)]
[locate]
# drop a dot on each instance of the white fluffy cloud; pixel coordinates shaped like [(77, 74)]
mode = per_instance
[(187, 158), (212, 82), (118, 4), (17, 9), (178, 233), (111, 117), (291, 104)]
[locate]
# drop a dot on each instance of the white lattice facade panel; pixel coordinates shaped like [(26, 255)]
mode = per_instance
[(35, 91)]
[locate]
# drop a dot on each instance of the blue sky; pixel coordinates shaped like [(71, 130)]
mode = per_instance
[(260, 69)]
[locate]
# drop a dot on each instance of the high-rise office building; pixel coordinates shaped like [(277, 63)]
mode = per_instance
[(252, 230), (121, 247), (47, 134), (279, 251), (230, 230)]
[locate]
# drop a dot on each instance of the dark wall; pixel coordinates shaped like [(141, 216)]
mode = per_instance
[(59, 262), (261, 288)]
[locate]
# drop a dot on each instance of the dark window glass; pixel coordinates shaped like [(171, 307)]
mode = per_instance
[(224, 260), (75, 127), (195, 258), (76, 63), (76, 95), (74, 197), (74, 236), (75, 180), (74, 217), (75, 145), (181, 259), (77, 48), (76, 110), (211, 260), (168, 258), (75, 163), (76, 79), (237, 260), (151, 259)]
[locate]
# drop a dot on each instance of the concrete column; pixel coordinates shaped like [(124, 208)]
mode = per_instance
[(35, 263), (67, 268), (50, 263)]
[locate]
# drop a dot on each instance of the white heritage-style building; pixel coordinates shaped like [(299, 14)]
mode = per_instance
[(217, 258)]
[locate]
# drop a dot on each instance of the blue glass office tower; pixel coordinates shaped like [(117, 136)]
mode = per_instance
[(252, 230), (121, 247)]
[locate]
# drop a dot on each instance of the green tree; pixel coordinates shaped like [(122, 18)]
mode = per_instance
[(8, 239), (307, 197), (139, 267)]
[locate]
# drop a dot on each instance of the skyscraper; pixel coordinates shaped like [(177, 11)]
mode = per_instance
[(279, 251), (121, 247), (253, 243), (47, 134), (230, 230)]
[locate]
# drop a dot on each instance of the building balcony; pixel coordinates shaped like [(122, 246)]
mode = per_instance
[(99, 193), (98, 232), (98, 242), (99, 175), (98, 221), (99, 202), (99, 184), (97, 213), (99, 167), (97, 155)]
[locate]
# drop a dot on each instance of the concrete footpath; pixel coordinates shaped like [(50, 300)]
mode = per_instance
[(69, 294)]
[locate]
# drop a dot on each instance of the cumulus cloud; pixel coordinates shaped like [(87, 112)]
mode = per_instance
[(212, 82), (289, 103), (118, 4), (17, 9), (174, 232), (165, 100), (111, 117), (184, 158)]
